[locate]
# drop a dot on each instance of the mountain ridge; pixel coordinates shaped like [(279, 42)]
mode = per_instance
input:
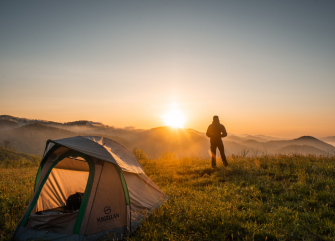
[(153, 141)]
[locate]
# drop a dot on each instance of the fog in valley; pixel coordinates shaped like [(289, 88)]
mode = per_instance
[(30, 136)]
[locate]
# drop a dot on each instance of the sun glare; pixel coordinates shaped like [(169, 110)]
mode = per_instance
[(174, 118)]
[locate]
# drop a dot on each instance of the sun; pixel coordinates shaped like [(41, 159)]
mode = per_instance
[(174, 118)]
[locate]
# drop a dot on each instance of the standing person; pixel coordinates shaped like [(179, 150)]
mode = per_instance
[(215, 132)]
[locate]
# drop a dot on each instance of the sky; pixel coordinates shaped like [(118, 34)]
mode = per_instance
[(264, 67)]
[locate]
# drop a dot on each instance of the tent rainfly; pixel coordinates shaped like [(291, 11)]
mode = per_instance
[(108, 182)]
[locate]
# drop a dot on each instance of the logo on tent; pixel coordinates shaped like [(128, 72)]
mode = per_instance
[(108, 217), (107, 210)]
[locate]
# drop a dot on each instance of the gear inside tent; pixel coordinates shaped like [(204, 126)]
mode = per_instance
[(88, 188)]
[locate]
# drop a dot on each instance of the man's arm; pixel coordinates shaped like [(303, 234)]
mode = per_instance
[(209, 132), (224, 132)]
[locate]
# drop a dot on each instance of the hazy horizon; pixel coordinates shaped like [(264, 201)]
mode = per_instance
[(264, 67), (153, 127)]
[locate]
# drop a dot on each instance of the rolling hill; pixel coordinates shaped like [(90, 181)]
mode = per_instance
[(256, 138), (305, 140), (29, 136), (329, 139), (82, 126), (304, 149), (303, 145), (184, 142), (8, 124), (13, 156), (234, 138)]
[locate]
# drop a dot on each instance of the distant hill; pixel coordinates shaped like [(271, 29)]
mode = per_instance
[(32, 138), (125, 133), (81, 126), (305, 140), (24, 121), (233, 138), (183, 142), (231, 147), (7, 124), (268, 138), (84, 123), (278, 147), (255, 145), (259, 138), (304, 149), (256, 138), (311, 145), (260, 147), (329, 139)]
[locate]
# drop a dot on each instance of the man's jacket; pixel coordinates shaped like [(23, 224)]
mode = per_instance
[(216, 131)]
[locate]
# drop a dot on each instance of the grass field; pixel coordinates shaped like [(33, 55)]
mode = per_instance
[(255, 198)]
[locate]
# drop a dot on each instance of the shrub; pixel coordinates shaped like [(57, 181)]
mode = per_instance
[(140, 154)]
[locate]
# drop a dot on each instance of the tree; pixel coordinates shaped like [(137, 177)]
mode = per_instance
[(140, 154)]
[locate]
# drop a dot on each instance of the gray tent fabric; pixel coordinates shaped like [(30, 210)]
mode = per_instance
[(110, 196), (124, 158), (143, 195), (117, 195), (84, 145), (104, 149)]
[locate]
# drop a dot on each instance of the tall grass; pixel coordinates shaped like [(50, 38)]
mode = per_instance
[(284, 197), (11, 158), (16, 189)]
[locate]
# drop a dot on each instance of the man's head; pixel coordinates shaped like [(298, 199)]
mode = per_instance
[(216, 118)]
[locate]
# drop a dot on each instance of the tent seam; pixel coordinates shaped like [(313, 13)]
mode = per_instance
[(95, 194), (119, 144)]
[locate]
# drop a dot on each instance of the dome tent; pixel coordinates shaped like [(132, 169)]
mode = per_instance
[(115, 192)]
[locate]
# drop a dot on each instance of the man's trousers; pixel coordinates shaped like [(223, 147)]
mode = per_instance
[(219, 145)]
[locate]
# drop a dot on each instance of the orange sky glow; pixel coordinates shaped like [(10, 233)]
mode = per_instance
[(263, 70)]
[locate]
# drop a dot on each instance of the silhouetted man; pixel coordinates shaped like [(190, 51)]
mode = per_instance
[(216, 131)]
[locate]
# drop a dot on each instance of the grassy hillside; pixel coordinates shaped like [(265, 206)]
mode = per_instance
[(264, 198), (32, 138), (12, 158), (255, 198)]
